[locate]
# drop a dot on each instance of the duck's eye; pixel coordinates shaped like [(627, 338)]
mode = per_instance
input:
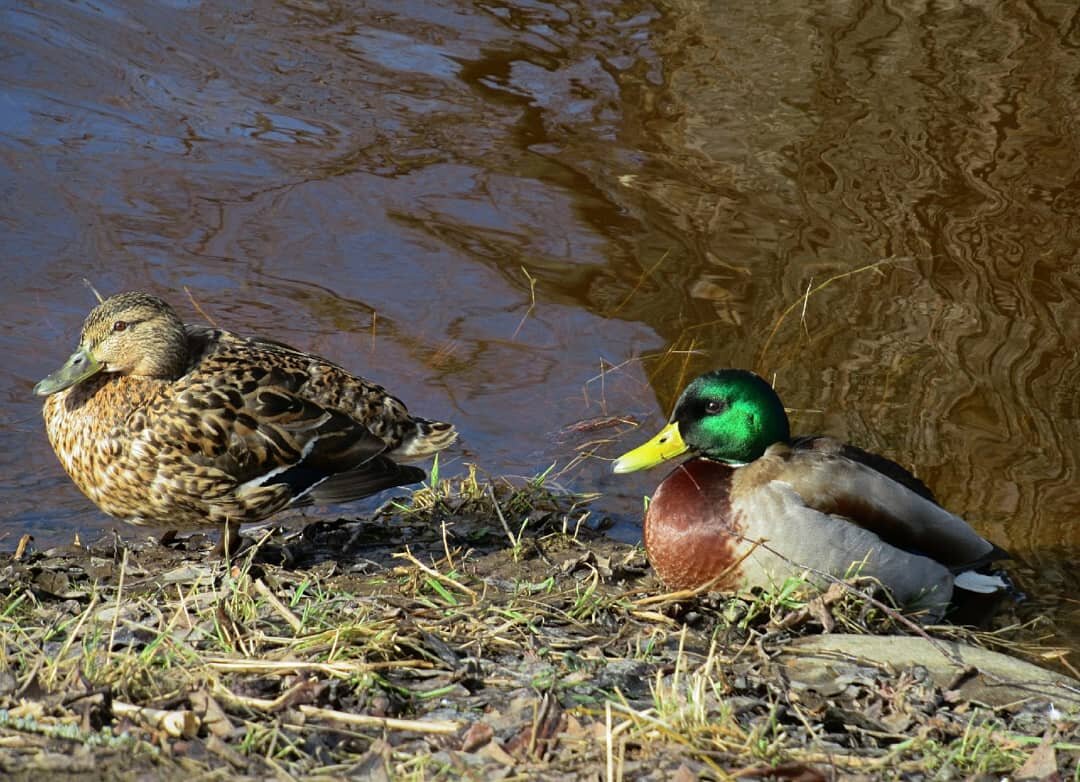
[(120, 325), (712, 406)]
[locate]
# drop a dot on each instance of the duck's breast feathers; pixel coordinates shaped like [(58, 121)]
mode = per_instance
[(828, 478), (692, 532), (698, 490)]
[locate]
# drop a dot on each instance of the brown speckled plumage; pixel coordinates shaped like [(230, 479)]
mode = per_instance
[(184, 425)]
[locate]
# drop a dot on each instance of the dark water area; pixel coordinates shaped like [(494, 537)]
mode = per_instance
[(536, 219)]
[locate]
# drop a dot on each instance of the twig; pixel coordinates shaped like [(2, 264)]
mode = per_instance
[(93, 290), (805, 304), (341, 670), (514, 542), (386, 723), (532, 303), (690, 351), (638, 284), (182, 723), (282, 610), (609, 739), (442, 727), (70, 640), (20, 550), (809, 292), (446, 544), (199, 309), (408, 555), (119, 595)]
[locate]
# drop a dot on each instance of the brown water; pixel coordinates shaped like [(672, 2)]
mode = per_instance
[(384, 184)]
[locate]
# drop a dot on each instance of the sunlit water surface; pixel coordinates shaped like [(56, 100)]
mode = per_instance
[(536, 219)]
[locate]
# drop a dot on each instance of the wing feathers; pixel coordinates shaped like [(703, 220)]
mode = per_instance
[(378, 474), (296, 423), (830, 482)]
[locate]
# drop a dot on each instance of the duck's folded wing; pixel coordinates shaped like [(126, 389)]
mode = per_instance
[(882, 464), (372, 476), (277, 438), (341, 460), (830, 482)]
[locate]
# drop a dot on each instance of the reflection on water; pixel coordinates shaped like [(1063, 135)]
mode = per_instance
[(524, 216)]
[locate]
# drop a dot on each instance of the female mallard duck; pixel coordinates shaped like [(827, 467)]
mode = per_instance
[(177, 425), (814, 501)]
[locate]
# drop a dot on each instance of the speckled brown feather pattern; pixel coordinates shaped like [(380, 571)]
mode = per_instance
[(231, 429)]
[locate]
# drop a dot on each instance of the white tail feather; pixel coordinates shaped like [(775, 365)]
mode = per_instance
[(980, 582)]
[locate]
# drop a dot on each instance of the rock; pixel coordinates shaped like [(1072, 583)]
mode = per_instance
[(996, 678)]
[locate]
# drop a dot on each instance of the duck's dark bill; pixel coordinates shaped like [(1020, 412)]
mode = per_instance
[(80, 366)]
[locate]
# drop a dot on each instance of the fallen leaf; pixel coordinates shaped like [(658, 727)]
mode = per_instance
[(796, 772), (225, 752), (684, 774), (1042, 763), (478, 734), (495, 752)]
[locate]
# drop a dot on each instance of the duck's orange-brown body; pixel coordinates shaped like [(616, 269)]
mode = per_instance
[(686, 547)]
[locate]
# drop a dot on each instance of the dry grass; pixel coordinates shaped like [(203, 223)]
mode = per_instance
[(479, 630)]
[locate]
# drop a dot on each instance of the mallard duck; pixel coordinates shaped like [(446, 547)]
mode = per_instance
[(181, 426), (813, 501)]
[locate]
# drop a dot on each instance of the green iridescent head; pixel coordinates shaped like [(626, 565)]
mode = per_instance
[(729, 415)]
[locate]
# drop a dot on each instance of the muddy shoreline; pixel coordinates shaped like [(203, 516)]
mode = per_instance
[(426, 643)]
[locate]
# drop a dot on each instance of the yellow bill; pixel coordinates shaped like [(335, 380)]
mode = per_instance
[(667, 444)]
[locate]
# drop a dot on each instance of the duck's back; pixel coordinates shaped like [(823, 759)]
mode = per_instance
[(270, 377), (873, 493)]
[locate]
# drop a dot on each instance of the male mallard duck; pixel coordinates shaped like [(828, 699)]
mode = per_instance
[(177, 425), (814, 501)]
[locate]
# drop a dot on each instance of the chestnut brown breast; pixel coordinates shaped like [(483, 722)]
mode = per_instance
[(692, 534)]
